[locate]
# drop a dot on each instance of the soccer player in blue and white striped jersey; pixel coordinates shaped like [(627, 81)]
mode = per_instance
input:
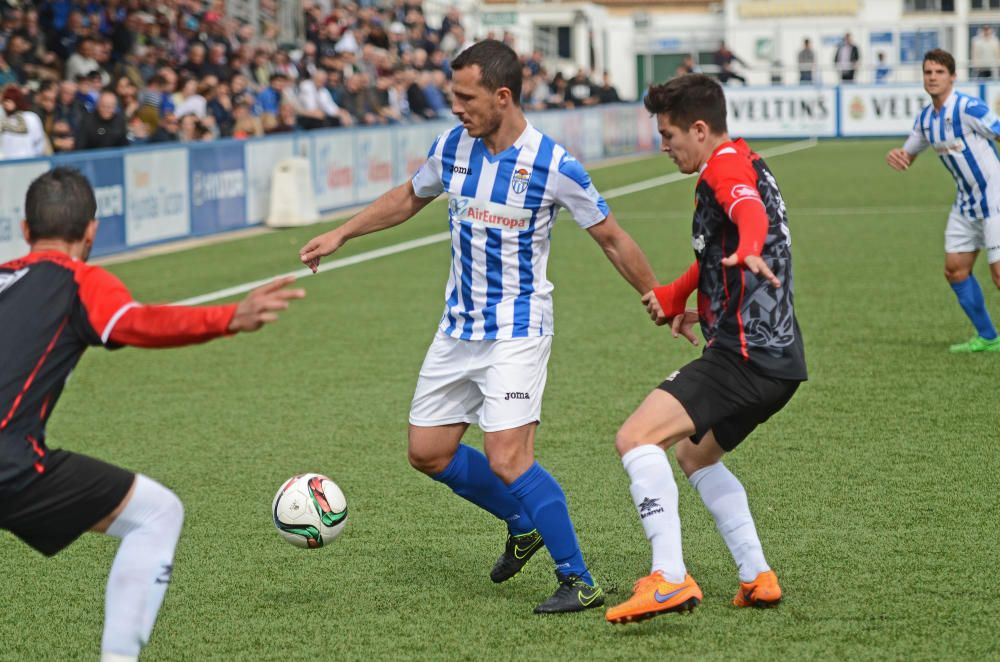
[(506, 182), (962, 130)]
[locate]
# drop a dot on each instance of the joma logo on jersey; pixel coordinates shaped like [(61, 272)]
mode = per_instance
[(519, 181), (517, 395), (698, 243), (460, 170)]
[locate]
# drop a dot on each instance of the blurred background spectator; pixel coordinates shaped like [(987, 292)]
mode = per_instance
[(88, 74)]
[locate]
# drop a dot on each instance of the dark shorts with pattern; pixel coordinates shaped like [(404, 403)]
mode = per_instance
[(724, 394), (74, 493)]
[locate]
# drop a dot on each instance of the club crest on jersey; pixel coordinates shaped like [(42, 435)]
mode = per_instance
[(519, 182), (743, 191)]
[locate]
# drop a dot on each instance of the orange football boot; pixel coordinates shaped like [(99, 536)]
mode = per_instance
[(763, 591), (653, 595)]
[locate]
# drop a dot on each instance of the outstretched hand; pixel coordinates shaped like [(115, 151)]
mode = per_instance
[(318, 247), (898, 159), (261, 305), (756, 265), (682, 325)]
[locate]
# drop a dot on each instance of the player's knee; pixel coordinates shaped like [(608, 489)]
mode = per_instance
[(508, 466), (688, 459), (626, 441), (169, 512), (427, 462), (955, 274), (995, 274)]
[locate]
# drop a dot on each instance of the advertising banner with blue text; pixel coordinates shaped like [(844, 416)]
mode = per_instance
[(157, 198), (218, 187), (14, 181)]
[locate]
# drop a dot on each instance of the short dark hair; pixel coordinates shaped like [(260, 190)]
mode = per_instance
[(689, 98), (498, 66), (942, 57), (60, 205)]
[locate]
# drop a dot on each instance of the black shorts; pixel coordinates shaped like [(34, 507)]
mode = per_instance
[(721, 393), (75, 493)]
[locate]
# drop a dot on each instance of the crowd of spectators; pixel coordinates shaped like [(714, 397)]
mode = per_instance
[(85, 74)]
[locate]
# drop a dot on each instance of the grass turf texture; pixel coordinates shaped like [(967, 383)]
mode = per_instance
[(874, 491)]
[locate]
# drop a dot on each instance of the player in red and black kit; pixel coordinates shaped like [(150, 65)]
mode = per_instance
[(753, 360), (53, 306)]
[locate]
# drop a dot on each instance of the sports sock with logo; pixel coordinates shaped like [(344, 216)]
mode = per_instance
[(470, 477), (726, 499), (149, 527), (654, 493), (970, 297), (545, 502)]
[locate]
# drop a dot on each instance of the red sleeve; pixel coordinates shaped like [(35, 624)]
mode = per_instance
[(118, 319), (171, 326), (752, 221), (734, 182), (673, 297)]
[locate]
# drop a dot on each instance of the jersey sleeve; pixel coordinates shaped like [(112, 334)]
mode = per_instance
[(428, 181), (916, 142), (734, 182), (981, 119), (115, 318), (577, 193)]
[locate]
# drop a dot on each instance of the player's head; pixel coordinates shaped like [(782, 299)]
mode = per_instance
[(691, 117), (60, 205), (486, 85), (939, 72)]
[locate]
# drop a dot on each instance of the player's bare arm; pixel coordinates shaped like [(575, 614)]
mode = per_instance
[(624, 253), (261, 306), (393, 207), (899, 159)]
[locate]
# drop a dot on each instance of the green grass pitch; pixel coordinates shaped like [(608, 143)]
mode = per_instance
[(875, 491)]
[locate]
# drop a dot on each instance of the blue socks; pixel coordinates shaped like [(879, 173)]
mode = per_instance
[(970, 297), (545, 503), (470, 477)]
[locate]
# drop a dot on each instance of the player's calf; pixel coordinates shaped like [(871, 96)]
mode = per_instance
[(149, 526)]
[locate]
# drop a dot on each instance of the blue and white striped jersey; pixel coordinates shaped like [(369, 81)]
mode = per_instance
[(501, 209), (962, 134)]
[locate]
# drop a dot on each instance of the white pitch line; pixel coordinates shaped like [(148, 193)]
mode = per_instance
[(445, 236), (333, 264)]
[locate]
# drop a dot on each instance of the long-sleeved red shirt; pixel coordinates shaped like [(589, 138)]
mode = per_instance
[(52, 307)]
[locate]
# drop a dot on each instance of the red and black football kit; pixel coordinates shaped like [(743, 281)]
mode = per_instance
[(53, 307), (754, 357)]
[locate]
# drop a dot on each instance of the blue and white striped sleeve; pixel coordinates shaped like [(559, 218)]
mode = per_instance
[(427, 181), (981, 119), (917, 141), (577, 193)]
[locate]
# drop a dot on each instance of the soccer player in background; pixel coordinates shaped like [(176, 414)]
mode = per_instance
[(961, 129), (753, 360), (505, 182), (55, 306)]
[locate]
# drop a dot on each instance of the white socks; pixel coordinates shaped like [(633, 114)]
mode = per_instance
[(726, 499), (149, 526), (654, 493)]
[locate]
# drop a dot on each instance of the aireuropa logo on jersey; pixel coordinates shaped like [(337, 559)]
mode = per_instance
[(488, 214)]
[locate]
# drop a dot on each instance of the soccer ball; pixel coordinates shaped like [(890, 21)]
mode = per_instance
[(309, 510)]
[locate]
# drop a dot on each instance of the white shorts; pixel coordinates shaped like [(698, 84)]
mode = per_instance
[(496, 384), (969, 235)]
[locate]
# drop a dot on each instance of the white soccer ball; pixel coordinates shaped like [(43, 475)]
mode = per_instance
[(309, 510)]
